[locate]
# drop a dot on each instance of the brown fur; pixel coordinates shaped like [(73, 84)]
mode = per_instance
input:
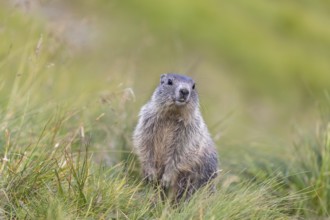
[(172, 141)]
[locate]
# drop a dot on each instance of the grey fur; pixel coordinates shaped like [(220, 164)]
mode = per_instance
[(171, 138)]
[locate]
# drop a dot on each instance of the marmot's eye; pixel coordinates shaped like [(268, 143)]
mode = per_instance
[(193, 87), (170, 82)]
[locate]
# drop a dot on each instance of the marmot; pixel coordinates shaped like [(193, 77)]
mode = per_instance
[(172, 141)]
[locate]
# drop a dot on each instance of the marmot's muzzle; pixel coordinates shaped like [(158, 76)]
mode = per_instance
[(182, 96)]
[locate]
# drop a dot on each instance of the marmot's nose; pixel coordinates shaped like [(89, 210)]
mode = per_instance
[(184, 93)]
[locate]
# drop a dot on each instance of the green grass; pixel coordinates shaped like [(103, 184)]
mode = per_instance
[(305, 171), (67, 113)]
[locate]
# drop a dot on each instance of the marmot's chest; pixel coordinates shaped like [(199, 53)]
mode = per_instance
[(166, 134), (168, 137)]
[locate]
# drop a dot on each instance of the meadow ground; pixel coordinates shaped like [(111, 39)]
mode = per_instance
[(73, 77)]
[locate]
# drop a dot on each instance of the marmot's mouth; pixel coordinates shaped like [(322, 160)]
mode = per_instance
[(181, 101)]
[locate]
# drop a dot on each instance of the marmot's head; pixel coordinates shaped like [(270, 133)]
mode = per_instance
[(176, 90)]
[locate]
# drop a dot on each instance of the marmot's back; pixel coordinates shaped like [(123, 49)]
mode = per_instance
[(171, 139)]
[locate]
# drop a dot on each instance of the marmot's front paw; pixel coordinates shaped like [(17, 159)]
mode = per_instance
[(150, 175), (167, 181)]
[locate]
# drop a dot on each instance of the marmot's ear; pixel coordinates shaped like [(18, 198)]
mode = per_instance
[(162, 78)]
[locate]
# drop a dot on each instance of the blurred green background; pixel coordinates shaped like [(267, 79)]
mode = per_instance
[(74, 75), (261, 67)]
